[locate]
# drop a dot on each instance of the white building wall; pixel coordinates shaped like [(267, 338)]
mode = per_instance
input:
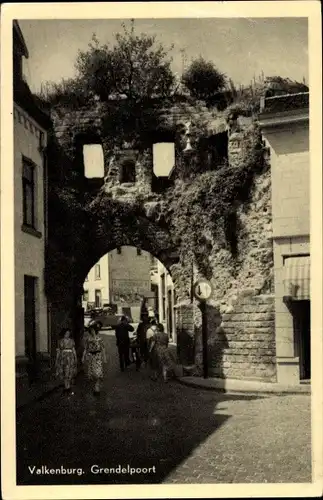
[(290, 169), (93, 283), (120, 273), (166, 306), (29, 248)]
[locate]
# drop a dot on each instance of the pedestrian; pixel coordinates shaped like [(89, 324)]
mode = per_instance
[(161, 359), (123, 341), (94, 356), (151, 331), (141, 334), (150, 335), (66, 359)]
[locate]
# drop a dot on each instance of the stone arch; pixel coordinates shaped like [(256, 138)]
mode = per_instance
[(149, 237)]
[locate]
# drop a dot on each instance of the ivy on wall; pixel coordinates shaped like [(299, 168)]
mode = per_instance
[(200, 209), (203, 208)]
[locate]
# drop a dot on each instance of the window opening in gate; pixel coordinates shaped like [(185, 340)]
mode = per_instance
[(93, 161), (163, 158)]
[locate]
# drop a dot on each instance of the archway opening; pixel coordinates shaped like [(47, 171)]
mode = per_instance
[(123, 282)]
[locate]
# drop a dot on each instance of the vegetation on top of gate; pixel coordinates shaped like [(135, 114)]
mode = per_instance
[(202, 206)]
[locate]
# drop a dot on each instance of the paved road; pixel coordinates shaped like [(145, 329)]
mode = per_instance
[(182, 434)]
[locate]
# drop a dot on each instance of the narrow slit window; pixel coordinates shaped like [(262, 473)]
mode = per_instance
[(128, 172)]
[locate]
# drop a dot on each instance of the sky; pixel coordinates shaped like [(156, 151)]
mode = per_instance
[(241, 48)]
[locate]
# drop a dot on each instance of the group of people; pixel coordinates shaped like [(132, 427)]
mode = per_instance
[(149, 347), (94, 357)]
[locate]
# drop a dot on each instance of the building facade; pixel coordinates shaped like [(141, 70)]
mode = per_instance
[(121, 277), (285, 124), (30, 224)]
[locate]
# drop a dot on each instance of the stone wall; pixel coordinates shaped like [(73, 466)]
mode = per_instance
[(185, 333), (252, 270), (241, 344), (240, 312)]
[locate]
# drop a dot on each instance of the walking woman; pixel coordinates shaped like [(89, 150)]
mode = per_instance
[(66, 359), (94, 356), (162, 362)]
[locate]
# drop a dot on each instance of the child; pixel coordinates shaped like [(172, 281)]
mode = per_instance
[(66, 359)]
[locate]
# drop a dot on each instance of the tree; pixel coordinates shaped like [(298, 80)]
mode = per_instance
[(136, 67), (204, 81)]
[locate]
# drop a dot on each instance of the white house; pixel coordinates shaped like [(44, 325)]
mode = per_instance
[(285, 125), (30, 223)]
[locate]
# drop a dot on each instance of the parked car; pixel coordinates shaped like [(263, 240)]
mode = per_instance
[(104, 319)]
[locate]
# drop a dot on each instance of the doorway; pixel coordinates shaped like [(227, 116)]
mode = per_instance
[(302, 318), (98, 298), (30, 284)]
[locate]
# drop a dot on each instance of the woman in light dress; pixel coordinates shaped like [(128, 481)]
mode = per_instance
[(94, 357), (161, 360), (66, 359)]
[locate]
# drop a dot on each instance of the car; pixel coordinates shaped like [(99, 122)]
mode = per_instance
[(104, 319)]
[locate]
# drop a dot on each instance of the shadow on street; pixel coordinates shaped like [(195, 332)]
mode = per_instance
[(135, 422)]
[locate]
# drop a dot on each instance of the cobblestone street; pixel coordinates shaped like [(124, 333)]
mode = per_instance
[(187, 434)]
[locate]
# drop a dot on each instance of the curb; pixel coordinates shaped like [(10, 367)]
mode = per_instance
[(246, 390)]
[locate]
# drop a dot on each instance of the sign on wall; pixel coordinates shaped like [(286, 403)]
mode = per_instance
[(202, 289)]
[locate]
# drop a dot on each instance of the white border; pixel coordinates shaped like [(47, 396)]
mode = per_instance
[(310, 9)]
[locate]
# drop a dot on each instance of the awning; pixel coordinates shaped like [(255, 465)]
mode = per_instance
[(297, 278)]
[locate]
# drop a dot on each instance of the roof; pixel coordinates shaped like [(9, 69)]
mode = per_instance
[(286, 102), (31, 104), (19, 39)]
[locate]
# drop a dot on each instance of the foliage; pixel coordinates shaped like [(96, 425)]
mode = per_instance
[(237, 109), (132, 122), (70, 92), (135, 68), (204, 81), (203, 209)]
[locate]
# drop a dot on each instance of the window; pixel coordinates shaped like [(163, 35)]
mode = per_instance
[(119, 250), (98, 298), (138, 251), (128, 172), (28, 192), (93, 159), (163, 158), (86, 296), (97, 272), (163, 284)]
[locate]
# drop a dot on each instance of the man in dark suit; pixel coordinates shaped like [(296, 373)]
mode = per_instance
[(123, 342)]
